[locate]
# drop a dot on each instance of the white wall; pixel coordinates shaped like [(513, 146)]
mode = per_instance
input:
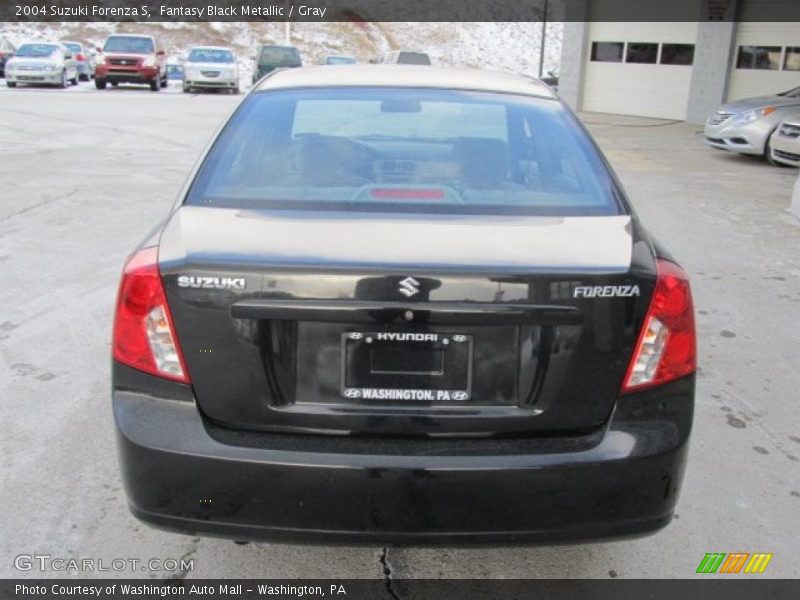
[(744, 83), (660, 91)]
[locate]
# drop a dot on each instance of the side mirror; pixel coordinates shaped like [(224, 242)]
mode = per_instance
[(99, 50), (161, 53)]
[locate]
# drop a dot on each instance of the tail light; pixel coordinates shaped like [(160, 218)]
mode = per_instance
[(144, 337), (80, 57), (666, 349)]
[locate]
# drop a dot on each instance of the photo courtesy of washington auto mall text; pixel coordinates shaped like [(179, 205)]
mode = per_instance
[(399, 299)]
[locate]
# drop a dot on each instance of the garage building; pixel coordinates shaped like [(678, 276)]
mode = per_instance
[(677, 69)]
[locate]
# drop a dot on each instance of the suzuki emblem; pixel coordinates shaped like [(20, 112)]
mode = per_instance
[(408, 287)]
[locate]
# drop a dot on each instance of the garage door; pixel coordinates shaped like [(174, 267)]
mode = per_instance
[(641, 69), (766, 59)]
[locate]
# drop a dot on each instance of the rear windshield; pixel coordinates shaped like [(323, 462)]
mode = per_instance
[(73, 47), (340, 60), (407, 150), (132, 45), (413, 58), (278, 55), (210, 55), (36, 50)]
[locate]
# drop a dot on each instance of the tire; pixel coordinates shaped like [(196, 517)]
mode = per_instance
[(186, 89), (114, 83), (155, 85), (164, 81), (63, 83), (74, 80), (83, 77), (100, 84), (768, 153), (11, 84)]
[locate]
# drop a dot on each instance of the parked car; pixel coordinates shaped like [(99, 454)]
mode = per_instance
[(45, 63), (175, 71), (131, 59), (211, 67), (270, 58), (405, 57), (745, 126), (551, 80), (84, 59), (339, 59), (373, 315), (7, 50), (784, 144)]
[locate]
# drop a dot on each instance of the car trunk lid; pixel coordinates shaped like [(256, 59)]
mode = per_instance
[(394, 324)]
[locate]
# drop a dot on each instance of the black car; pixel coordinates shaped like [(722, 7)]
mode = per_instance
[(270, 58), (402, 305)]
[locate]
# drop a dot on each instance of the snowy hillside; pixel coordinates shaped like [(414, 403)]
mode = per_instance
[(510, 47)]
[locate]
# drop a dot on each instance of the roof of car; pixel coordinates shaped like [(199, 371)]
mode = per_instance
[(404, 76), (204, 47)]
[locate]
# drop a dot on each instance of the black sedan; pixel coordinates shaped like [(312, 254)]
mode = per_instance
[(403, 304)]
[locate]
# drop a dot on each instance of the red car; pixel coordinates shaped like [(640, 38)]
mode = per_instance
[(131, 59)]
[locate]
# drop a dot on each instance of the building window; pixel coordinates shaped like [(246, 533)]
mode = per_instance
[(607, 51), (791, 61), (759, 57), (677, 54), (641, 53)]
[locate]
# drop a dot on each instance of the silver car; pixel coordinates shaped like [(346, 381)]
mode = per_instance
[(44, 63), (785, 142), (211, 67), (84, 58), (745, 126)]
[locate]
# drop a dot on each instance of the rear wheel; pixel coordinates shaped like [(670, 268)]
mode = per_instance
[(63, 83), (74, 80), (164, 81), (186, 89), (155, 85), (100, 84), (114, 83)]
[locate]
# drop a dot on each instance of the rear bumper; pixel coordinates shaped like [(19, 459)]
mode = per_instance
[(183, 474)]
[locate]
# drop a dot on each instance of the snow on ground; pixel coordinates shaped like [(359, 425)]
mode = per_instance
[(512, 47)]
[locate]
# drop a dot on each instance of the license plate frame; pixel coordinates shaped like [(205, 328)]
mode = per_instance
[(406, 367)]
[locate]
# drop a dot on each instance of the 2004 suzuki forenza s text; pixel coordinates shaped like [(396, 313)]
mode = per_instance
[(403, 304)]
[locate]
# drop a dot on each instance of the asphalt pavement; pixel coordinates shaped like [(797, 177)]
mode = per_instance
[(84, 175)]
